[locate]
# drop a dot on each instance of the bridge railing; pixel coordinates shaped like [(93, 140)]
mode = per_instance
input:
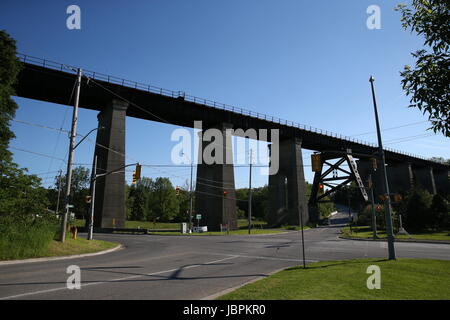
[(197, 100)]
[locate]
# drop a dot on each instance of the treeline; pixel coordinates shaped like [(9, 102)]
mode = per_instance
[(420, 210), (26, 227), (156, 200)]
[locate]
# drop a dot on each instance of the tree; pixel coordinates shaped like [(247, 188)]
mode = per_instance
[(163, 203), (440, 160), (428, 83), (439, 213), (418, 210), (9, 69), (79, 190), (20, 194)]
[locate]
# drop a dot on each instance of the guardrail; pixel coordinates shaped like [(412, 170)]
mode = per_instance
[(202, 101)]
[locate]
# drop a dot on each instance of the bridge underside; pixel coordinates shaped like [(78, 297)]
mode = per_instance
[(286, 187)]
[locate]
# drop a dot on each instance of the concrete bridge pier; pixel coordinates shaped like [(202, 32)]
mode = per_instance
[(424, 178), (215, 194), (110, 190), (400, 177), (287, 188), (442, 181)]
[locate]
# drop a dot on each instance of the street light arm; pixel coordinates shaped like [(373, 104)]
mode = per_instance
[(86, 137), (114, 171)]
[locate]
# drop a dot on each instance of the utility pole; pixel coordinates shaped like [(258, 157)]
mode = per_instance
[(250, 195), (387, 201), (91, 216), (59, 192), (372, 200), (73, 134)]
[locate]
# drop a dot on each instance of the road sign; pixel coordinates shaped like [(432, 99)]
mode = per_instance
[(199, 216)]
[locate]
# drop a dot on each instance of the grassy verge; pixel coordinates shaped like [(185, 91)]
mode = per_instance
[(405, 279), (69, 247), (366, 233), (78, 246), (242, 224), (218, 233)]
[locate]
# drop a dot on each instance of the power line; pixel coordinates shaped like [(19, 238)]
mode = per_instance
[(388, 129)]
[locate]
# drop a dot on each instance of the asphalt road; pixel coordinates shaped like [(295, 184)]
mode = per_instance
[(196, 267)]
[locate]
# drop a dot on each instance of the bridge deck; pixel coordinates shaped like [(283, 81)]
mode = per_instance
[(53, 82)]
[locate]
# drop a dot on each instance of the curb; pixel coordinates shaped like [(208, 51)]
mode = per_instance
[(223, 292), (398, 240), (11, 262)]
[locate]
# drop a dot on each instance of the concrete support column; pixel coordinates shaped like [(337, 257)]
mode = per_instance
[(214, 179), (110, 190), (424, 178), (287, 188), (400, 177), (442, 181)]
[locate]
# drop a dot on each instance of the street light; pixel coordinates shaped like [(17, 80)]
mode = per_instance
[(385, 185)]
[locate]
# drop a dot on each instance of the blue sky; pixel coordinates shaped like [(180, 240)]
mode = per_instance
[(305, 61)]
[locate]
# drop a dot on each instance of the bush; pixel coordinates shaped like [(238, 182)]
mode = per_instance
[(417, 215), (439, 213), (365, 217), (25, 238)]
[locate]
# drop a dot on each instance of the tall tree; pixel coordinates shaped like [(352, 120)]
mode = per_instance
[(9, 69), (79, 189), (428, 83), (21, 196), (163, 201)]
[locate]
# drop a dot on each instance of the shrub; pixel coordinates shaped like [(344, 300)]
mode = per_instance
[(439, 213), (25, 238), (418, 210)]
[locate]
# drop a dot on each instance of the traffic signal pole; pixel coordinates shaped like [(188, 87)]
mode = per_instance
[(372, 202), (91, 217), (190, 201), (250, 196), (387, 201)]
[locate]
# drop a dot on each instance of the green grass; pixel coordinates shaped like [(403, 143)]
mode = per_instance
[(404, 279), (69, 247), (242, 224), (364, 232), (218, 233), (78, 246), (260, 227)]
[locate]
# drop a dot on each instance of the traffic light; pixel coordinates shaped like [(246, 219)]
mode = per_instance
[(138, 172), (373, 161), (321, 188), (225, 193), (134, 178), (316, 162), (397, 198), (177, 190)]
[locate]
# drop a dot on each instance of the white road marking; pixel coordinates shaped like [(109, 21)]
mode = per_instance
[(261, 257), (115, 280)]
